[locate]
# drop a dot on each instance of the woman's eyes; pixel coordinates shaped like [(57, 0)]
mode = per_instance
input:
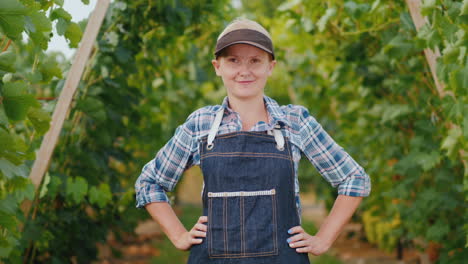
[(235, 60), (256, 60)]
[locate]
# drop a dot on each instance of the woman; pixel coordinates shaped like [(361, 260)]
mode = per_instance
[(248, 149)]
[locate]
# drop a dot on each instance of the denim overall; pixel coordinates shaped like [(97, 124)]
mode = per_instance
[(248, 198)]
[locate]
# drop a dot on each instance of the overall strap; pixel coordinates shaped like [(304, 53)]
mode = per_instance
[(217, 122), (214, 128)]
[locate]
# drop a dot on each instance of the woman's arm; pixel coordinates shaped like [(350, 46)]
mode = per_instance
[(182, 239), (342, 210)]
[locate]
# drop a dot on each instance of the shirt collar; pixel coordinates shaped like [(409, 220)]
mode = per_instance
[(273, 109)]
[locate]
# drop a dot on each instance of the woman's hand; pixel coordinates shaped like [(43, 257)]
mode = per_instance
[(187, 239), (305, 243)]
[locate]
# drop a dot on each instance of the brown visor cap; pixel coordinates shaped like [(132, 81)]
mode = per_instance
[(245, 36)]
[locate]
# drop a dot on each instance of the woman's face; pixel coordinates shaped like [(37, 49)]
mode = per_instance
[(244, 70)]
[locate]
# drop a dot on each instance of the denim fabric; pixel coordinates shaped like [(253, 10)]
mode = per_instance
[(249, 199)]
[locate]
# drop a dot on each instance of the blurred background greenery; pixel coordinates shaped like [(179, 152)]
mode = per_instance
[(358, 66)]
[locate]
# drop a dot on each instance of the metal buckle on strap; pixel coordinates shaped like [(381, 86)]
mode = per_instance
[(210, 146)]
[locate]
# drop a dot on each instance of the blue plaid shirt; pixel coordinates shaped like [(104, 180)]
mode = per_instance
[(304, 132)]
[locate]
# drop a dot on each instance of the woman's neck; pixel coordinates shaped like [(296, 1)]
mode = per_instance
[(251, 111)]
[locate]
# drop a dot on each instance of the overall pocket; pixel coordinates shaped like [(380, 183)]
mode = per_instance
[(242, 224)]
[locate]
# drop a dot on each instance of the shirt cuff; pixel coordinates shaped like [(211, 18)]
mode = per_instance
[(150, 193), (356, 185)]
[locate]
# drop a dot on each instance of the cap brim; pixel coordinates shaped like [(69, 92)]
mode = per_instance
[(244, 42)]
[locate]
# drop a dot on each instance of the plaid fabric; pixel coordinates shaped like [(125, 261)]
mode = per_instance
[(307, 136)]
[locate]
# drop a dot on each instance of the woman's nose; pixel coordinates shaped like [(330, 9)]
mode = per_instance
[(244, 69)]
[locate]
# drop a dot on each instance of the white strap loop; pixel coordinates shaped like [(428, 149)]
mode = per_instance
[(214, 128), (278, 138)]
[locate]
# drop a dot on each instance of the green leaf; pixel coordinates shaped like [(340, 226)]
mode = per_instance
[(34, 77), (7, 168), (427, 7), (350, 7), (40, 30), (465, 127), (407, 21), (12, 18), (27, 191), (40, 120), (393, 112), (100, 196), (6, 248), (89, 105), (375, 5), (429, 160), (60, 13), (288, 5), (438, 231), (464, 11), (356, 10), (458, 79), (323, 21), (16, 102), (430, 36), (399, 47), (54, 186), (3, 117), (73, 34), (41, 22), (86, 2), (77, 189), (5, 141), (44, 185), (49, 69), (59, 2), (7, 221), (450, 142), (7, 77), (8, 204), (62, 25), (7, 61)]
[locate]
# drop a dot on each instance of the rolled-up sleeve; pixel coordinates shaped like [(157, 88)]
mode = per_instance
[(331, 160), (162, 173)]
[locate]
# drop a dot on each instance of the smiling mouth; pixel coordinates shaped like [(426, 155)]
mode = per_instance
[(245, 82)]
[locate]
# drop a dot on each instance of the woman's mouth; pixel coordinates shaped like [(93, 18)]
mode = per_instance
[(245, 82)]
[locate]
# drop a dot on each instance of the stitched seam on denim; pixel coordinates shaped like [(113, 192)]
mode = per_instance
[(241, 193), (247, 156), (275, 227), (227, 255), (225, 225), (243, 154), (210, 247), (249, 135), (259, 134), (262, 136), (241, 207), (254, 254), (238, 255)]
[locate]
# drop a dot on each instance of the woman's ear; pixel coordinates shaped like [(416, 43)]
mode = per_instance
[(271, 66), (216, 65)]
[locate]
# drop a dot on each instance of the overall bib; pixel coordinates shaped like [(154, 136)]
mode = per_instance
[(248, 197)]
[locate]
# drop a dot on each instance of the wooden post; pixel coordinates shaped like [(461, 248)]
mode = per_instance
[(41, 163), (431, 56)]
